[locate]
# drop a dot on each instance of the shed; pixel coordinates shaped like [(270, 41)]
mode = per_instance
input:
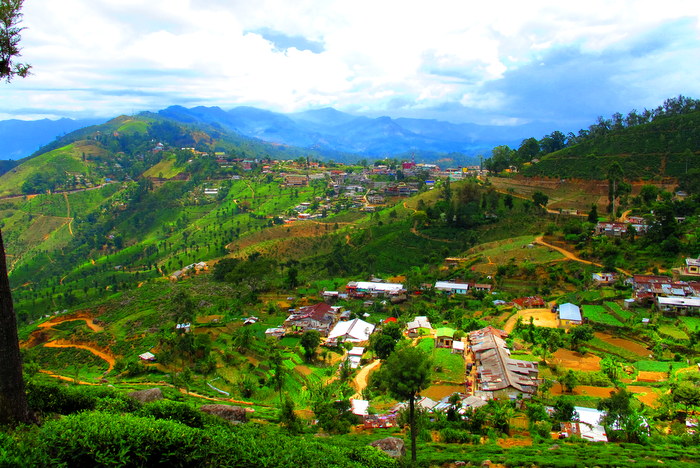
[(570, 314)]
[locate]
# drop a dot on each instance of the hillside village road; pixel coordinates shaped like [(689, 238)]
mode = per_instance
[(362, 377), (572, 256)]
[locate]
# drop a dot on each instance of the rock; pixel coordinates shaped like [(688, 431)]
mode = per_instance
[(232, 414), (144, 396), (392, 446)]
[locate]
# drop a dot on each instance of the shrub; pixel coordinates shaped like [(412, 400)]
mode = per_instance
[(92, 439), (456, 436), (173, 411)]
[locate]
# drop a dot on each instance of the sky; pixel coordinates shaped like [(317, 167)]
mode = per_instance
[(489, 62)]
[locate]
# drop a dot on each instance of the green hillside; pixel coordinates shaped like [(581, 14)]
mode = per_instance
[(666, 147)]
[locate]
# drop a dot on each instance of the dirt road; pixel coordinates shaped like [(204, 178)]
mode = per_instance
[(66, 344), (362, 377)]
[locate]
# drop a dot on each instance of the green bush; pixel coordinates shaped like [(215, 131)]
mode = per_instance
[(457, 436), (101, 439), (174, 411), (51, 398)]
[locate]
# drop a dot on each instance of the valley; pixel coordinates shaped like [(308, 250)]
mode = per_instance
[(288, 286)]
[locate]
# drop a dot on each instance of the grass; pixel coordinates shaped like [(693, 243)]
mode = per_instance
[(692, 323), (673, 332), (615, 308), (658, 366), (599, 314)]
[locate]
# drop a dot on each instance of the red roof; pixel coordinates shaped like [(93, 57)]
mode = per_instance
[(390, 319)]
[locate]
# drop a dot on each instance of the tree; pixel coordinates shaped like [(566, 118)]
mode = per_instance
[(407, 373), (540, 199), (593, 214), (569, 381), (623, 420), (10, 17), (13, 401), (310, 340), (579, 335), (686, 394), (615, 178), (384, 346)]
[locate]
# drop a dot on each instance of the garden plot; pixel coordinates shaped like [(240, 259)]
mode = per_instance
[(576, 361), (627, 345), (599, 314), (646, 395)]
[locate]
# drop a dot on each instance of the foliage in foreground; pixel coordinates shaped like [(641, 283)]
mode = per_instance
[(103, 439)]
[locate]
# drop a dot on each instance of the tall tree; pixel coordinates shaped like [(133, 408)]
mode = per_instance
[(408, 372), (615, 178), (13, 401), (10, 16)]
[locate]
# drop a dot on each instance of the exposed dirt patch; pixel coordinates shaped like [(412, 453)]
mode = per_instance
[(631, 346), (577, 361), (362, 377), (540, 317), (648, 376), (303, 370), (644, 394), (209, 318), (438, 392)]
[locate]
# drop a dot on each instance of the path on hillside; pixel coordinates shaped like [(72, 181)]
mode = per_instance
[(362, 377), (571, 256), (56, 320), (70, 222), (67, 344)]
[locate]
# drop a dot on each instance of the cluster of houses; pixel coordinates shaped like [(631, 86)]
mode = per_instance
[(673, 297), (193, 267), (619, 229)]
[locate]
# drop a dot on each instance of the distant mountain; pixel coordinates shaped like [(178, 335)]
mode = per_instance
[(21, 138), (331, 130)]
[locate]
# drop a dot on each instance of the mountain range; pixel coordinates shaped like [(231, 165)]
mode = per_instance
[(326, 131)]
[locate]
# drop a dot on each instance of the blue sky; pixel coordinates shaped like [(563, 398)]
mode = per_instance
[(500, 62)]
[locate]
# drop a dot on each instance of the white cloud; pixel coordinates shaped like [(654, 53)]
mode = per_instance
[(111, 56)]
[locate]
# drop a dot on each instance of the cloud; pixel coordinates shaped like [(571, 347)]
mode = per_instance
[(543, 60)]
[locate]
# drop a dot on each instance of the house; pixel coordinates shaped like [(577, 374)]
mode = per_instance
[(359, 407), (679, 305), (361, 289), (604, 278), (444, 337), (452, 288), (419, 326), (587, 426), (319, 317), (355, 356), (458, 347), (570, 314), (692, 267), (183, 327), (530, 302), (147, 356), (275, 332), (499, 376), (352, 331)]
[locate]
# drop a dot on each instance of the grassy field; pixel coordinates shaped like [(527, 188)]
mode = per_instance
[(693, 323), (599, 314), (623, 314)]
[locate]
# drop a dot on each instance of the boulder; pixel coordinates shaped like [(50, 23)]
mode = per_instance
[(232, 414), (392, 446), (144, 396)]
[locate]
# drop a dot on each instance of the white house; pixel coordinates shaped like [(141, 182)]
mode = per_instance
[(353, 331), (452, 288)]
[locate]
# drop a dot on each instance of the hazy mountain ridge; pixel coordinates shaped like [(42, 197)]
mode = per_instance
[(21, 138)]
